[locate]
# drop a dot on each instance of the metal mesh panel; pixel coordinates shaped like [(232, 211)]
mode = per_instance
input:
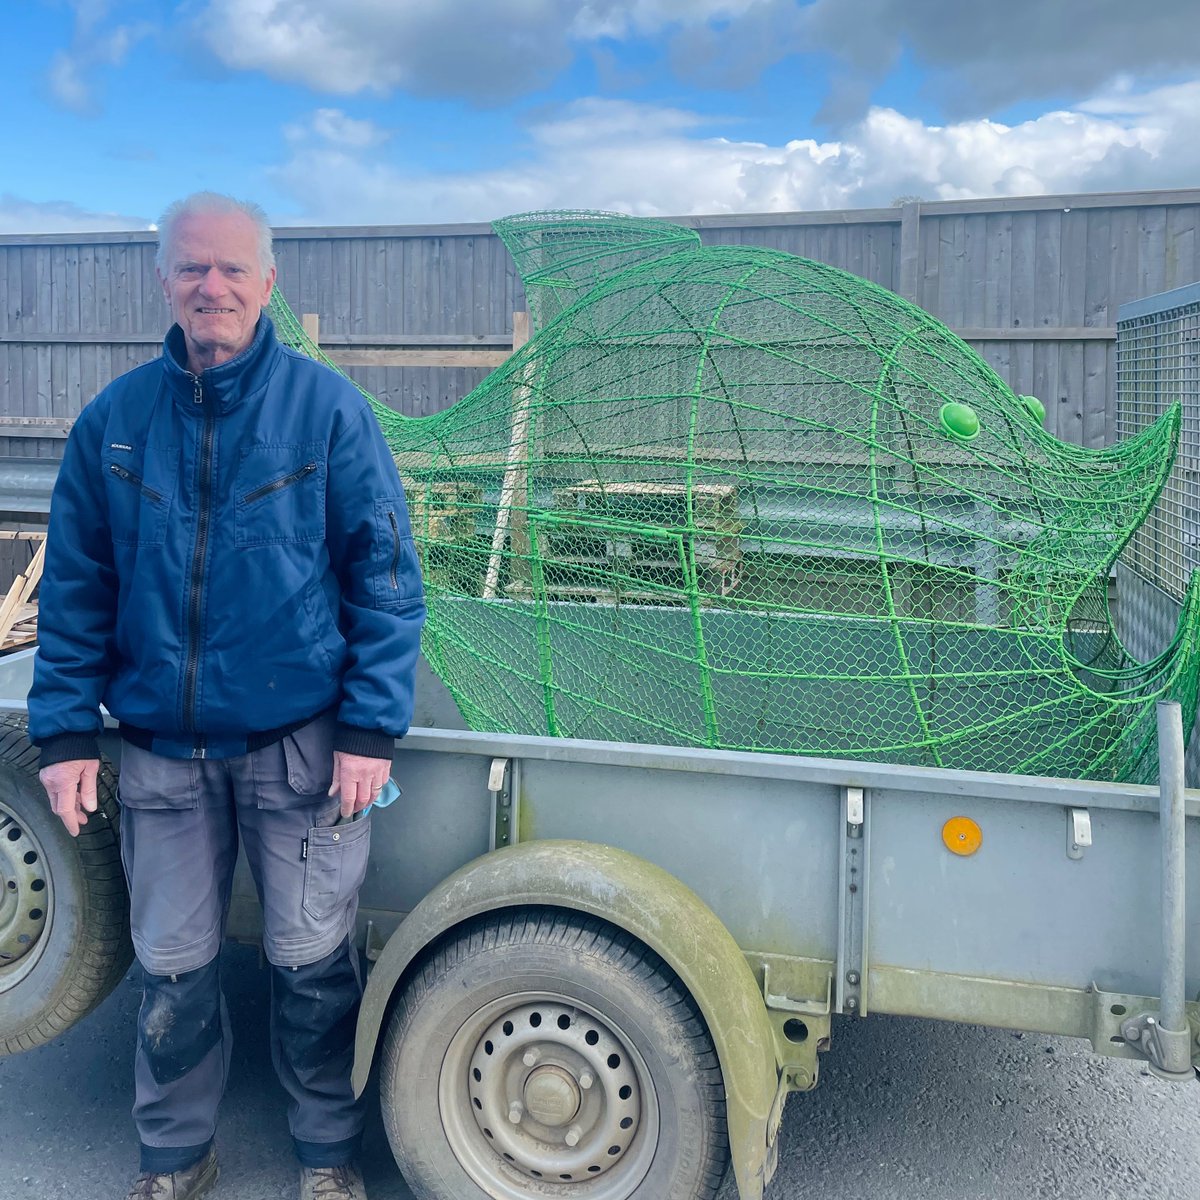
[(1158, 366)]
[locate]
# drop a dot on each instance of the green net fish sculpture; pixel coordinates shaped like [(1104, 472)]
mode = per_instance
[(728, 497)]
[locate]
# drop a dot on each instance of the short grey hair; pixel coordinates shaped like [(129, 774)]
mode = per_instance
[(213, 202)]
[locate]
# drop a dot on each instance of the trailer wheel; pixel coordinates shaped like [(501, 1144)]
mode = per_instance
[(64, 910), (540, 1053)]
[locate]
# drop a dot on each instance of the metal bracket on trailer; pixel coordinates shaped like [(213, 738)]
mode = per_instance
[(852, 902), (501, 787), (1169, 1051), (1079, 831)]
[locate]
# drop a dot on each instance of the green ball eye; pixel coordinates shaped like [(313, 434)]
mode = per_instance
[(1034, 407), (959, 420)]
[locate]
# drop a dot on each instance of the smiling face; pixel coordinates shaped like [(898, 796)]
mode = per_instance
[(215, 285)]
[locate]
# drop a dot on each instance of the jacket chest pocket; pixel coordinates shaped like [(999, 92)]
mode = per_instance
[(139, 495), (280, 494)]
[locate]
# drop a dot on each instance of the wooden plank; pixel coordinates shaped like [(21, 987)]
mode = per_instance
[(997, 286), (952, 287), (974, 299), (418, 358), (1151, 246), (1021, 256), (1123, 262), (321, 289), (339, 287), (1099, 394), (910, 250), (1073, 333), (515, 478), (41, 399), (1071, 276), (43, 264), (27, 299), (8, 255), (311, 324), (1098, 307), (374, 340), (1182, 263), (928, 255), (58, 383), (103, 290), (1047, 269)]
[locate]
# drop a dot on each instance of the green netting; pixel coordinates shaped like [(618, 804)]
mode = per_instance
[(729, 497)]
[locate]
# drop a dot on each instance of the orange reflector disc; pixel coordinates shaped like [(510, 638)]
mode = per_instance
[(962, 835)]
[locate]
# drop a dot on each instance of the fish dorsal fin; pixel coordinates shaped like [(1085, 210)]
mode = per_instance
[(562, 255)]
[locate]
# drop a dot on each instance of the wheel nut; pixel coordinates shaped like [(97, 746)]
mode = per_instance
[(573, 1135), (531, 1056), (515, 1112), (586, 1080)]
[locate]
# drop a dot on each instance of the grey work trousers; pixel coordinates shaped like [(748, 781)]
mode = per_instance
[(180, 826)]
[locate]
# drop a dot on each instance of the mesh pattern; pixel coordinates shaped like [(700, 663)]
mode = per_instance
[(1158, 365), (727, 497)]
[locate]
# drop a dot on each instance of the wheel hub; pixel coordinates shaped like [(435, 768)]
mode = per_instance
[(552, 1096), (23, 892), (554, 1092)]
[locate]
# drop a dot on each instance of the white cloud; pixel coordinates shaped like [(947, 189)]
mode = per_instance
[(18, 215), (490, 51), (653, 161), (487, 50), (69, 73), (334, 126)]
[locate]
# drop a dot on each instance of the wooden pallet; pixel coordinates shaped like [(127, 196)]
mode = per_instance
[(18, 610), (610, 541), (443, 512)]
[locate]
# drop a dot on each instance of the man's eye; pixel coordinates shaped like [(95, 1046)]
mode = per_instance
[(189, 270)]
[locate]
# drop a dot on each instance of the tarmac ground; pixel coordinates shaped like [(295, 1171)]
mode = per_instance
[(906, 1110)]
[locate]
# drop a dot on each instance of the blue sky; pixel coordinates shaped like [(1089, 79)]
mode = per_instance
[(385, 111)]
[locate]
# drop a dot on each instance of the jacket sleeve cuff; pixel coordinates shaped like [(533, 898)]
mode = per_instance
[(370, 743), (66, 747)]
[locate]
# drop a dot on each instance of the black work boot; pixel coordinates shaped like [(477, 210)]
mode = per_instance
[(189, 1184)]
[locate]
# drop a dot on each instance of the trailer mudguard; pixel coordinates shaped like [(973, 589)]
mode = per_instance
[(653, 906)]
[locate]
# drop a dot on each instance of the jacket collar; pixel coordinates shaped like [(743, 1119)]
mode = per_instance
[(230, 383)]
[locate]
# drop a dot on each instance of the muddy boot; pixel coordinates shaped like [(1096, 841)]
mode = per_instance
[(344, 1182), (189, 1184)]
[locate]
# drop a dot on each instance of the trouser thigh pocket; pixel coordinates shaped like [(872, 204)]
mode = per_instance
[(335, 866), (153, 781)]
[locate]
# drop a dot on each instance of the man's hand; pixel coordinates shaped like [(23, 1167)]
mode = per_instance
[(71, 787), (358, 780)]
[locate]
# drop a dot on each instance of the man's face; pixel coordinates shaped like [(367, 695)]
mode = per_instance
[(215, 284)]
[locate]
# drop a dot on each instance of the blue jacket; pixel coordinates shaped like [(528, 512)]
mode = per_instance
[(229, 555)]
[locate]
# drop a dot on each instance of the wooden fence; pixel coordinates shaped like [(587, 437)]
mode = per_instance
[(420, 314)]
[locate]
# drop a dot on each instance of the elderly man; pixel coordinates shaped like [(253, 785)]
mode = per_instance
[(230, 571)]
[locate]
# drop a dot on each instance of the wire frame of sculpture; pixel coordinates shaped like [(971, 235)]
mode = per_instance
[(729, 497)]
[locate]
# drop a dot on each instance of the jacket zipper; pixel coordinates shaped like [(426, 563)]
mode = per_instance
[(395, 548), (286, 481), (129, 477), (195, 605)]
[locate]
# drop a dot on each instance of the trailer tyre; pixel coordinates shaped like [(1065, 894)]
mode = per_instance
[(540, 1053), (64, 910)]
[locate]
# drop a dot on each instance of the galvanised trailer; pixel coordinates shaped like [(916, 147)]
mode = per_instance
[(599, 969)]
